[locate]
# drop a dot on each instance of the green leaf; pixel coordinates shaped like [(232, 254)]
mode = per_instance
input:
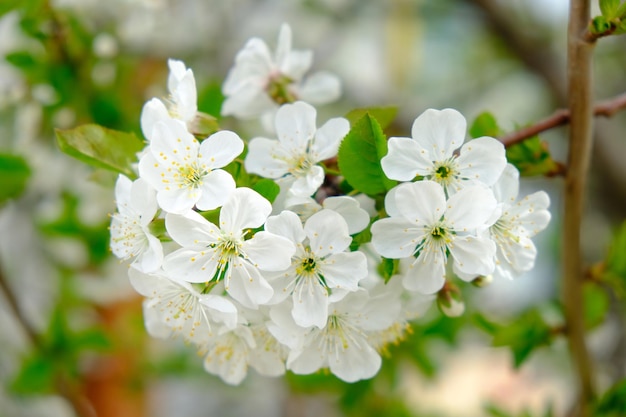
[(267, 188), (596, 303), (614, 271), (36, 376), (532, 157), (383, 115), (101, 147), (523, 335), (485, 124), (7, 5), (613, 402), (610, 8), (359, 157), (388, 268), (14, 174)]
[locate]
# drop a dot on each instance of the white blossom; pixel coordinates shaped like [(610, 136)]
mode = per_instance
[(180, 105), (424, 225), (130, 225), (187, 173), (195, 313), (212, 253), (342, 345), (295, 155), (260, 80), (320, 267), (430, 153), (517, 223)]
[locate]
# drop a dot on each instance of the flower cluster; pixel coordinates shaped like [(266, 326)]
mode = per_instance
[(286, 284)]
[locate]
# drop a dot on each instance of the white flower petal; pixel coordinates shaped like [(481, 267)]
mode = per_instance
[(191, 230), (473, 255), (295, 126), (245, 209), (405, 159), (320, 88), (327, 232), (216, 188), (439, 132), (247, 285), (307, 185), (266, 158), (152, 112), (505, 190), (310, 303), (220, 149), (328, 137), (269, 252), (422, 202), (189, 265), (349, 208), (470, 208), (286, 224), (344, 270), (482, 159), (358, 361), (427, 274), (395, 237)]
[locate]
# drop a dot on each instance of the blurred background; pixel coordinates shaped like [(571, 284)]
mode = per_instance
[(71, 326)]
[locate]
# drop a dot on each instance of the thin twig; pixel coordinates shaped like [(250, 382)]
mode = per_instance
[(580, 144), (561, 117)]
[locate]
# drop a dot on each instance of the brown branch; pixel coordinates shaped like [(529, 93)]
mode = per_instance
[(579, 76), (561, 117)]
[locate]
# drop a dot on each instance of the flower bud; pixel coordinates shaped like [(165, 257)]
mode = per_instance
[(450, 300)]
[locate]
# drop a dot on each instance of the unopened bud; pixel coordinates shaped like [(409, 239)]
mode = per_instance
[(450, 300), (482, 281)]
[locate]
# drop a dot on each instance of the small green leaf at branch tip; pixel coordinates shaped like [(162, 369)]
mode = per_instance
[(532, 157), (383, 115), (101, 147), (485, 124), (359, 157), (14, 175), (613, 269), (596, 304), (612, 9)]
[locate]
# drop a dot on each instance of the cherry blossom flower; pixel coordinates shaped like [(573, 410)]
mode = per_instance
[(424, 225), (250, 344), (181, 105), (195, 313), (212, 253), (300, 146), (320, 265), (187, 173), (130, 226), (348, 207), (518, 222), (430, 153), (260, 81), (342, 345)]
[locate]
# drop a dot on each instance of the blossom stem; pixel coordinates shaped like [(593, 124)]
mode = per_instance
[(561, 117), (579, 77)]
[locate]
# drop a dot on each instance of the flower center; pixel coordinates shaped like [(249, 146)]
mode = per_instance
[(445, 172), (300, 165), (307, 265), (191, 176), (278, 89)]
